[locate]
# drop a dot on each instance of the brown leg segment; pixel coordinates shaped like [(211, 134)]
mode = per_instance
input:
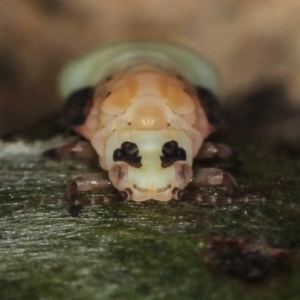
[(88, 182), (209, 177), (182, 194), (210, 150), (95, 182), (80, 149)]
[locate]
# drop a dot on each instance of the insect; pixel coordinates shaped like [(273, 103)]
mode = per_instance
[(146, 108)]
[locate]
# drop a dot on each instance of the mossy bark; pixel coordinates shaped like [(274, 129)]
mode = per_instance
[(150, 250)]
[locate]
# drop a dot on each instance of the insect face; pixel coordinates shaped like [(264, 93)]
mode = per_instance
[(149, 167)]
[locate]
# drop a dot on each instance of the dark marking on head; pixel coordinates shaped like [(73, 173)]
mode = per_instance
[(78, 106), (210, 105), (171, 154), (128, 153)]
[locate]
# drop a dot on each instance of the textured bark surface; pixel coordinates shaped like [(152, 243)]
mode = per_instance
[(254, 44), (150, 250)]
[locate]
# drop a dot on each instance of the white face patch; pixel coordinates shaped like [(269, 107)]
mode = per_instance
[(151, 181), (144, 172)]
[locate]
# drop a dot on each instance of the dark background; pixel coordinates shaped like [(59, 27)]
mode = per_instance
[(254, 44)]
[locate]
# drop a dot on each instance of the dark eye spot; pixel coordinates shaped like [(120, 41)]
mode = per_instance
[(210, 106), (171, 153), (129, 153), (78, 106)]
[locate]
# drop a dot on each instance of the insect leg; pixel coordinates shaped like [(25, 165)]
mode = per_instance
[(208, 177), (211, 176), (80, 149), (98, 182), (210, 150)]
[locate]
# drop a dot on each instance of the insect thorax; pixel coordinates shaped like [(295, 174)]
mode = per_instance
[(152, 113)]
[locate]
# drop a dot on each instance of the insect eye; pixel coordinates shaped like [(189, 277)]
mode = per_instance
[(78, 106), (210, 105), (129, 153), (171, 153)]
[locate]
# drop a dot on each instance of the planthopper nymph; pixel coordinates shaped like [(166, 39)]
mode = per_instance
[(146, 109)]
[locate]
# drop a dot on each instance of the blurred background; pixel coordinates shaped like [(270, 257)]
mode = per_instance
[(255, 45)]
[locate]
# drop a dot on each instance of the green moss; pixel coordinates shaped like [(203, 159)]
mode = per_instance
[(150, 250)]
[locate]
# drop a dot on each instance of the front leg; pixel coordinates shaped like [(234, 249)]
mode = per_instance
[(209, 177), (97, 182), (82, 149), (210, 150)]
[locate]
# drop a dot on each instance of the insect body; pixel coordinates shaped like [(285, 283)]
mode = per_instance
[(146, 109)]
